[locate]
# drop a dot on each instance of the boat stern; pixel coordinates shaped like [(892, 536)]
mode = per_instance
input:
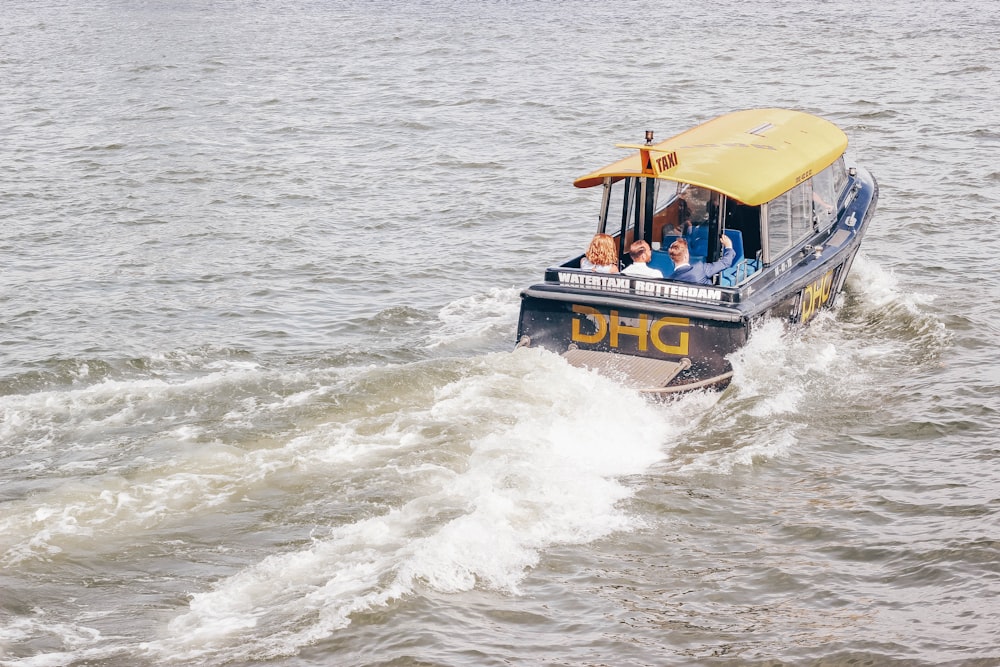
[(655, 347)]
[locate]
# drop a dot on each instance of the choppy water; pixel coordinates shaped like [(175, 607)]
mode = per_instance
[(259, 277)]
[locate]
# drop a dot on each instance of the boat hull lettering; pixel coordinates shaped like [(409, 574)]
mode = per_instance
[(612, 328)]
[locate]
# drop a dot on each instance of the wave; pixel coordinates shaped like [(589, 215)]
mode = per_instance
[(387, 481), (442, 475), (503, 462), (789, 382)]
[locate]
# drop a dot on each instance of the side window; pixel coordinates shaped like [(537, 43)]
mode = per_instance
[(702, 204), (789, 220), (616, 205), (824, 198), (838, 172), (779, 229), (666, 193), (800, 199)]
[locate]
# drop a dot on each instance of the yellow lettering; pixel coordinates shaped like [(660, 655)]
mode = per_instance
[(815, 295), (658, 342), (645, 330), (807, 303), (641, 332), (599, 320)]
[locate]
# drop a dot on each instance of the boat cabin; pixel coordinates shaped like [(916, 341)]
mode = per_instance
[(661, 211), (768, 178)]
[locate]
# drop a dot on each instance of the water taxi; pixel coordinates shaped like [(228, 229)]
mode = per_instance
[(772, 184)]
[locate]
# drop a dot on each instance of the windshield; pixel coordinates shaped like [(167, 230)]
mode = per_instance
[(702, 204)]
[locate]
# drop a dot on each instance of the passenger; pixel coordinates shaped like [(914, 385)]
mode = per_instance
[(819, 201), (682, 225), (676, 229), (641, 254), (701, 272), (601, 256)]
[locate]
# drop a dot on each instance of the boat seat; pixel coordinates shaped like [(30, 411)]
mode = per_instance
[(743, 267), (739, 272), (736, 236), (661, 260), (697, 242)]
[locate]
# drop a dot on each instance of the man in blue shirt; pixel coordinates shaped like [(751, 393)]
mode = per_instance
[(701, 272)]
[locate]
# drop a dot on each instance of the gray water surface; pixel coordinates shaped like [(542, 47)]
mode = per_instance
[(259, 280)]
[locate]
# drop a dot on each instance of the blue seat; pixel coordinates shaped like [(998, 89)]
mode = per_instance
[(661, 260), (742, 267), (739, 272), (697, 253), (736, 236), (697, 240)]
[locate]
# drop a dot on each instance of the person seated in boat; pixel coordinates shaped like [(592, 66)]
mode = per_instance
[(601, 256), (681, 226), (819, 202), (700, 272), (641, 254)]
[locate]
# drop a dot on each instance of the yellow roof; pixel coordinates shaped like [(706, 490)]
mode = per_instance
[(752, 156)]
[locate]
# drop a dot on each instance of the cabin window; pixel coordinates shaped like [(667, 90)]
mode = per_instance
[(802, 211), (824, 199), (702, 204), (789, 220), (838, 171), (669, 212), (686, 210), (779, 233), (621, 201)]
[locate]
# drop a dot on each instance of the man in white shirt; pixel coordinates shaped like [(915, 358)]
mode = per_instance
[(641, 254)]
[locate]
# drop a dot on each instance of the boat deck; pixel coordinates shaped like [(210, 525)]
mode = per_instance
[(637, 372)]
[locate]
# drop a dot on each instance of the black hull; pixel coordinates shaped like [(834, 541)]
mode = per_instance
[(655, 331)]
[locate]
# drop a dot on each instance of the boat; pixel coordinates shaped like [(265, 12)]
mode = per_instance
[(776, 182)]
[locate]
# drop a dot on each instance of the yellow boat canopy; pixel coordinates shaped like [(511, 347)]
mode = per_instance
[(751, 156)]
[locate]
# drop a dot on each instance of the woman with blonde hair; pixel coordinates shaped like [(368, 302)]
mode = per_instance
[(601, 256)]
